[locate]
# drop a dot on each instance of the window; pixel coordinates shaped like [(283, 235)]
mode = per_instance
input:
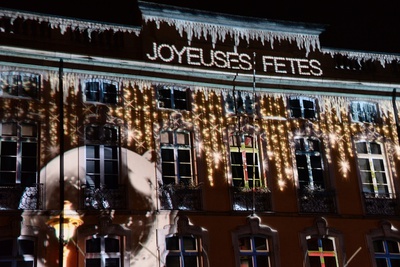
[(321, 251), (245, 161), (176, 157), (363, 111), (239, 103), (103, 91), (173, 97), (255, 245), (18, 153), (373, 170), (20, 84), (322, 246), (384, 245), (102, 156), (183, 251), (17, 252), (185, 246), (302, 107), (254, 251), (387, 253), (103, 251), (309, 163)]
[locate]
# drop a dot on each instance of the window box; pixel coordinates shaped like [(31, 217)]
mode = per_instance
[(100, 198), (18, 197)]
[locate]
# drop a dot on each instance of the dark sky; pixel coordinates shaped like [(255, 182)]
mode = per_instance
[(368, 25)]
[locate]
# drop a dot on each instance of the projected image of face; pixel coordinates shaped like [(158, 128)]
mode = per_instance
[(137, 179)]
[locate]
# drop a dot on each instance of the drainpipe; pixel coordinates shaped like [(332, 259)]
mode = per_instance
[(396, 114), (61, 136)]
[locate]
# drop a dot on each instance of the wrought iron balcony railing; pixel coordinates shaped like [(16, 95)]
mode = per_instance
[(317, 201), (251, 199), (180, 197), (381, 204), (100, 198), (19, 197)]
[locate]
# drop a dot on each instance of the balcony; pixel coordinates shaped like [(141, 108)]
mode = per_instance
[(317, 201), (101, 198), (381, 204), (180, 197), (19, 197), (251, 199)]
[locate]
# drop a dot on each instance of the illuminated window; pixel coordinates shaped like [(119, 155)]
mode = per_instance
[(322, 246), (183, 251), (239, 103), (255, 245), (103, 91), (17, 252), (321, 252), (20, 84), (173, 97), (302, 107), (309, 163), (245, 161), (102, 156), (177, 157), (373, 170), (364, 111), (103, 251), (18, 153)]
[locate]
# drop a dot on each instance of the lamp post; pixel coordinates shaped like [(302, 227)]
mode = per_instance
[(67, 225)]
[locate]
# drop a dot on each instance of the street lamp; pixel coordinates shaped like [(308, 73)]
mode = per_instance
[(66, 229)]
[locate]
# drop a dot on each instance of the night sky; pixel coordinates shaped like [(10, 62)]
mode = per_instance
[(356, 25)]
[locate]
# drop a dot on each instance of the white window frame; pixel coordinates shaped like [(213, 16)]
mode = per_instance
[(103, 255), (101, 144), (371, 157), (357, 107), (171, 102)]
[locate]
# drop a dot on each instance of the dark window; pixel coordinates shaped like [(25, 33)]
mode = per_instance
[(183, 251), (387, 253), (254, 251), (174, 98), (302, 107), (102, 156), (18, 153), (102, 91), (17, 252), (103, 251)]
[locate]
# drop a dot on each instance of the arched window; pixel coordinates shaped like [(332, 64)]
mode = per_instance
[(322, 246), (255, 245), (384, 245)]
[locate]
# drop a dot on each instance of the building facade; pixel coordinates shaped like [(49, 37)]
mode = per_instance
[(194, 139)]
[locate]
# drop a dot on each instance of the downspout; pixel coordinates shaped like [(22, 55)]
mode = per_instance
[(396, 114), (61, 136)]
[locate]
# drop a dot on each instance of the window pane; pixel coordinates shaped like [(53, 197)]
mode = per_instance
[(246, 261), (172, 243), (111, 244), (379, 246), (111, 167), (6, 248), (330, 262), (327, 244), (92, 152), (112, 262), (262, 261), (184, 155), (393, 246), (375, 148), (189, 243), (93, 245), (8, 148), (93, 263), (9, 129), (29, 149), (28, 164), (8, 164), (173, 261), (260, 243), (182, 138), (26, 247), (378, 165), (110, 152), (167, 155), (364, 164), (361, 147), (28, 130), (92, 166), (245, 243), (395, 262), (190, 261)]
